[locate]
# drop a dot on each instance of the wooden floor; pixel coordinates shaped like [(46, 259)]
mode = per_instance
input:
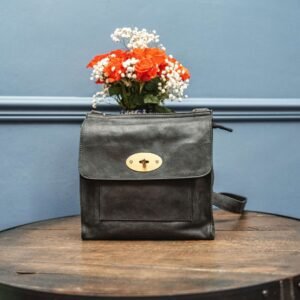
[(256, 255)]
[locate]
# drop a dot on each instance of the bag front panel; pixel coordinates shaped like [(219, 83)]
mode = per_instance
[(171, 209)]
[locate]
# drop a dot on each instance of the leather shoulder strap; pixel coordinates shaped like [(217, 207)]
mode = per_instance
[(227, 201), (230, 202)]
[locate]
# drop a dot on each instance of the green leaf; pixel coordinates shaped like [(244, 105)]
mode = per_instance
[(151, 99), (115, 90), (136, 99), (162, 109), (152, 85)]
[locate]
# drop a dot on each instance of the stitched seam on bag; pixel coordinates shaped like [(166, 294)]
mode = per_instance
[(81, 148), (82, 199), (99, 200), (211, 226), (145, 179), (148, 117), (192, 197), (145, 221), (150, 178)]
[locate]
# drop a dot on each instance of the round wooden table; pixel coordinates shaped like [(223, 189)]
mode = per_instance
[(256, 256)]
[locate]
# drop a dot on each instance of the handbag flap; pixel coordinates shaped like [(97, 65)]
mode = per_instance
[(182, 142)]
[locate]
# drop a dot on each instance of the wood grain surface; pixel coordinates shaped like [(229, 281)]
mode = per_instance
[(255, 253)]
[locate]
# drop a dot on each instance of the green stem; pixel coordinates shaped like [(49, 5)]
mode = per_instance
[(124, 96), (141, 87)]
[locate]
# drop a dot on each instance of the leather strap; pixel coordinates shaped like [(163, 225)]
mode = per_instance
[(230, 202), (227, 201)]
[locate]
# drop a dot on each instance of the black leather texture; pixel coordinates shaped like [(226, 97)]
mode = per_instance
[(171, 202)]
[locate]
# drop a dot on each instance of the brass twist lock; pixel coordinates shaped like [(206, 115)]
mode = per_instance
[(143, 162)]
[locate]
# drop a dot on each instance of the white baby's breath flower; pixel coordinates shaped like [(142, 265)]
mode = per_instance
[(135, 38), (172, 83)]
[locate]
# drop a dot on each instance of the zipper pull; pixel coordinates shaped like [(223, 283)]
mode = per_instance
[(215, 125)]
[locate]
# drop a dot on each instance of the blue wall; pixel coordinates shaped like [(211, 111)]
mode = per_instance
[(39, 177), (234, 48)]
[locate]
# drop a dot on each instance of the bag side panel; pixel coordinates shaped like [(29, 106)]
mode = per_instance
[(89, 193)]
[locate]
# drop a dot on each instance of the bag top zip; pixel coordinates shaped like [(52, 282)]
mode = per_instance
[(197, 111)]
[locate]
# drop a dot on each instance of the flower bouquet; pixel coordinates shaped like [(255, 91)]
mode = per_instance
[(141, 76)]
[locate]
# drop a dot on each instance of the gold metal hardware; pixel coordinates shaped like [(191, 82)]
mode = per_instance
[(143, 162)]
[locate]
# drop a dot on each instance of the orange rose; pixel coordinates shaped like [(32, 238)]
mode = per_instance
[(118, 53), (96, 59), (114, 69), (157, 55), (151, 62), (137, 53), (185, 74), (146, 69)]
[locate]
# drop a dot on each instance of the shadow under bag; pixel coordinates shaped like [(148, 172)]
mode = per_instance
[(149, 176)]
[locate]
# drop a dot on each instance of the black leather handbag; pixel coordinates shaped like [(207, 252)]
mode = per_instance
[(149, 176)]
